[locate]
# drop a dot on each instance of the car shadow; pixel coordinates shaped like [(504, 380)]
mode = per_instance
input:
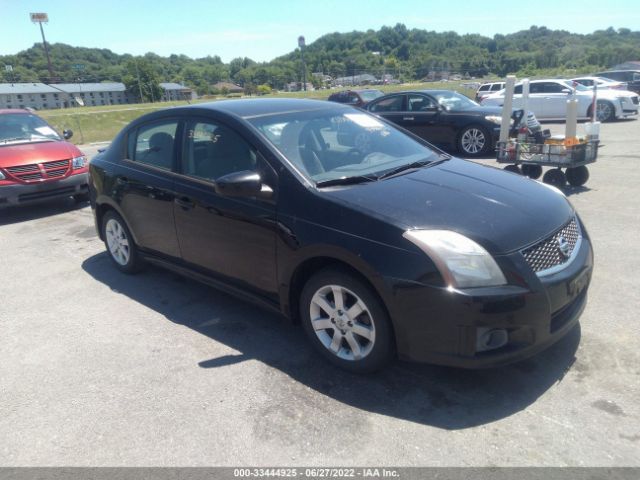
[(442, 397), (23, 213)]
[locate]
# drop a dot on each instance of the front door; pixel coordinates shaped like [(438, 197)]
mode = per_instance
[(230, 237)]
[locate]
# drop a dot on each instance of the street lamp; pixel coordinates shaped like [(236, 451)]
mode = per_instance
[(301, 44), (40, 18)]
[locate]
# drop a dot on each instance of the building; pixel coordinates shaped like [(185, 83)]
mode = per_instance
[(32, 95), (62, 95), (362, 79), (92, 94), (175, 91)]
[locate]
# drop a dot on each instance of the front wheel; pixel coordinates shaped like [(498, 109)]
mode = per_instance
[(474, 141), (605, 111), (119, 242), (346, 322)]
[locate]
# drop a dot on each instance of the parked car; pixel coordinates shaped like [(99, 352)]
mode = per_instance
[(487, 89), (548, 100), (36, 164), (357, 98), (444, 118), (601, 82), (376, 243), (631, 77)]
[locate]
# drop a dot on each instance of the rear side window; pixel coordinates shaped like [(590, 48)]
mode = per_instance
[(154, 144), (484, 88), (497, 87), (391, 104)]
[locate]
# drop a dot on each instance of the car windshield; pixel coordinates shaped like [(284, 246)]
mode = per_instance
[(25, 128), (454, 101), (327, 145), (368, 95)]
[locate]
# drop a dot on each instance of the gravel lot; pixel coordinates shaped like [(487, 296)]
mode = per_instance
[(100, 368)]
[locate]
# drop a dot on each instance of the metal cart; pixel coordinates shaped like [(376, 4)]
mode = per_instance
[(529, 158)]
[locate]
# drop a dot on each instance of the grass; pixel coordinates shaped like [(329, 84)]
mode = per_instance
[(98, 124)]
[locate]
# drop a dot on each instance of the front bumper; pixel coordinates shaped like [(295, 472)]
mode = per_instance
[(22, 194), (441, 326)]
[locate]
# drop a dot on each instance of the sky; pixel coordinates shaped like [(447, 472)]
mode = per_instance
[(265, 29)]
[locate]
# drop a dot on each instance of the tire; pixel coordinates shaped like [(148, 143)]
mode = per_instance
[(555, 177), (357, 337), (474, 141), (605, 111), (81, 198), (119, 243), (513, 169), (577, 176), (532, 171)]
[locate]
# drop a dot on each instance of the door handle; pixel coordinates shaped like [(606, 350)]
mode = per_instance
[(122, 180), (408, 118), (185, 203)]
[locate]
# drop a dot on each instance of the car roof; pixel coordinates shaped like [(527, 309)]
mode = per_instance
[(13, 110), (247, 108)]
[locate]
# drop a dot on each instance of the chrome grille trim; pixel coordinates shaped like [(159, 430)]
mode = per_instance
[(545, 257)]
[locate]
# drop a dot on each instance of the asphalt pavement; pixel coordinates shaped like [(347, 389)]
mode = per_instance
[(103, 369)]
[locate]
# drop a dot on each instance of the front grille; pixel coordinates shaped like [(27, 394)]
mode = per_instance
[(548, 254), (36, 172)]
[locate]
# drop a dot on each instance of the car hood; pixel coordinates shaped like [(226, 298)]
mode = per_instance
[(502, 211), (36, 152)]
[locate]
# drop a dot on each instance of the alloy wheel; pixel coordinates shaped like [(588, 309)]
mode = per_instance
[(473, 141), (342, 322), (117, 242), (604, 111)]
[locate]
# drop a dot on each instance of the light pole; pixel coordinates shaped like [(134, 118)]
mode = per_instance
[(301, 44), (39, 18)]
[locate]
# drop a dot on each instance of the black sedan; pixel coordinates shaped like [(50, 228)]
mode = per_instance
[(378, 245), (444, 118)]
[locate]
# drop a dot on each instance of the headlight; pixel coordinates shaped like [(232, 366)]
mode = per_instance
[(461, 261), (79, 162), (497, 119)]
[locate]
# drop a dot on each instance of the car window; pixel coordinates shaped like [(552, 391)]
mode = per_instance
[(419, 103), (553, 87), (497, 87), (154, 144), (484, 88), (352, 98), (518, 90), (391, 104), (212, 150), (534, 88)]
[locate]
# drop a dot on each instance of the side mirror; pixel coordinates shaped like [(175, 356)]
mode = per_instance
[(67, 134), (245, 183)]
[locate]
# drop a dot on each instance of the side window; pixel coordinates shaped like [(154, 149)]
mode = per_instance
[(212, 150), (153, 144), (353, 99), (518, 89), (535, 88), (496, 87), (391, 104), (552, 87), (419, 103), (484, 88)]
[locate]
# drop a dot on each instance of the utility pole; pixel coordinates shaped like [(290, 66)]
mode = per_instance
[(301, 44), (41, 18), (139, 84)]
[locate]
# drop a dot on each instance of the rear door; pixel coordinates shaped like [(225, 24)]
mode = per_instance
[(144, 185), (555, 100), (391, 108)]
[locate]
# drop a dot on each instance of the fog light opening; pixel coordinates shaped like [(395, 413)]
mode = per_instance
[(491, 338)]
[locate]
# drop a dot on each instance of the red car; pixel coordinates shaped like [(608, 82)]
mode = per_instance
[(37, 164)]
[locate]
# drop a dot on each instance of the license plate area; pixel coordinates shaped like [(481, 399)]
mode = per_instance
[(578, 284)]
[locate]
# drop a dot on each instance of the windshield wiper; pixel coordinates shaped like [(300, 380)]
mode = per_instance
[(413, 166), (346, 180)]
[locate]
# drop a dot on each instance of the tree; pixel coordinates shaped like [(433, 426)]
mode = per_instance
[(142, 80)]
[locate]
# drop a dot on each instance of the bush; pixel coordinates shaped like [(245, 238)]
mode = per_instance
[(263, 90)]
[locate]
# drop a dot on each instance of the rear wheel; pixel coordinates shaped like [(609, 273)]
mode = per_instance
[(532, 171), (346, 321), (577, 176), (555, 177), (474, 141), (119, 242)]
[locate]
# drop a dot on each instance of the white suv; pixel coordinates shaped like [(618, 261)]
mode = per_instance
[(548, 100), (488, 88)]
